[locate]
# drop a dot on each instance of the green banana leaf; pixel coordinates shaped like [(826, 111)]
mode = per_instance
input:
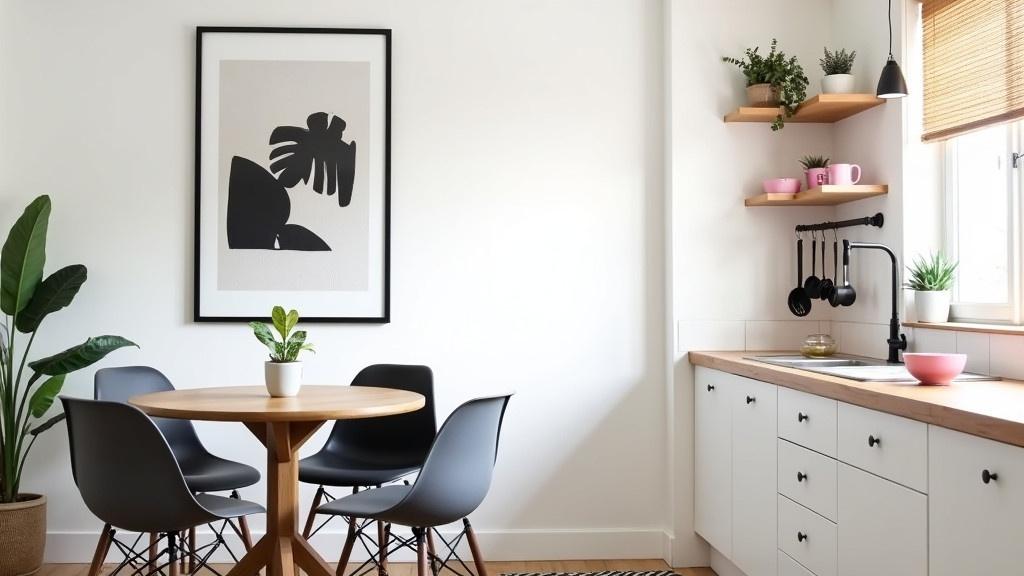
[(23, 257), (80, 356), (280, 320), (54, 293), (44, 396)]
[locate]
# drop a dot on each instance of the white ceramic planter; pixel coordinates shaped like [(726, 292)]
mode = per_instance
[(932, 306), (283, 378), (837, 84)]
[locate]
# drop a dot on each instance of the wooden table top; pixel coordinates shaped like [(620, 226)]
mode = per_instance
[(254, 404), (990, 409)]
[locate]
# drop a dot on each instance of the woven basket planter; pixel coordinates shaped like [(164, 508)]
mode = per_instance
[(22, 535)]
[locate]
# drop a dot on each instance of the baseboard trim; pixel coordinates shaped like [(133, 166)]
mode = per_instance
[(497, 545)]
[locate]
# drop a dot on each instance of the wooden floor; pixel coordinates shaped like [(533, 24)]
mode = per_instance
[(495, 568)]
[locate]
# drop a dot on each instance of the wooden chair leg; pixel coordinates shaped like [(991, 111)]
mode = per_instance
[(311, 517), (422, 567), (191, 548), (243, 525), (154, 546), (346, 550), (474, 548), (102, 547), (432, 549), (382, 549)]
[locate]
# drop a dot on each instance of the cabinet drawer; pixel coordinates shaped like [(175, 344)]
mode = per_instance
[(790, 567), (974, 526), (889, 446), (808, 478), (808, 420), (809, 538)]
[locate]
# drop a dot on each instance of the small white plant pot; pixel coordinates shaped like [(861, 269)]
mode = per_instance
[(284, 379), (837, 84), (932, 306)]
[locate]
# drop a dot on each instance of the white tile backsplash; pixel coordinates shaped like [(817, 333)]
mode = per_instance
[(862, 339), (779, 334), (977, 346), (1006, 356), (925, 340), (709, 335)]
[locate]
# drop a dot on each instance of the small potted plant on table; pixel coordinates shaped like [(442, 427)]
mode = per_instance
[(283, 372), (773, 80), (931, 280), (815, 170), (837, 67)]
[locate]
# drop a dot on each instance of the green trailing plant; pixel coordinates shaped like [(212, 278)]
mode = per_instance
[(931, 274), (809, 162), (785, 75), (291, 343), (838, 62), (28, 389)]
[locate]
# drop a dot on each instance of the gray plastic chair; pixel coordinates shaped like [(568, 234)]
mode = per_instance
[(453, 482), (370, 452), (129, 478)]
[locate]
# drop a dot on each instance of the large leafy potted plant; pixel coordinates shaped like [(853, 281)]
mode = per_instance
[(773, 80), (931, 280), (28, 389)]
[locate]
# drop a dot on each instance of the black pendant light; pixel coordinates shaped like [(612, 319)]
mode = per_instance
[(891, 83)]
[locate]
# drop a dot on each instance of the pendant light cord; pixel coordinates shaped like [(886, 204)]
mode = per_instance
[(890, 30)]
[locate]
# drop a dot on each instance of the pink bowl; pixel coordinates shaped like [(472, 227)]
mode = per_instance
[(781, 186), (935, 369)]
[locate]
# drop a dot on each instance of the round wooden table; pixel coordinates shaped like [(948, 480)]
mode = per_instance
[(282, 425)]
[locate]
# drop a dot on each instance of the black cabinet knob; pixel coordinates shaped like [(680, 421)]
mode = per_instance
[(800, 417), (711, 387), (751, 399), (872, 441), (800, 476), (800, 536), (987, 476)]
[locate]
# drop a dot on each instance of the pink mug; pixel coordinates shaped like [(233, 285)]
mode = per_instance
[(842, 174)]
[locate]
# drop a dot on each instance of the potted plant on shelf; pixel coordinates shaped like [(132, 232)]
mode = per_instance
[(837, 67), (773, 80), (931, 279), (28, 389), (815, 170), (283, 372)]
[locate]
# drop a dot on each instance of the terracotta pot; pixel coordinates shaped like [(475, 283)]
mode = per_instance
[(23, 535), (762, 95)]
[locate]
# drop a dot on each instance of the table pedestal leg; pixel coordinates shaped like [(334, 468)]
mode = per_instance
[(282, 550)]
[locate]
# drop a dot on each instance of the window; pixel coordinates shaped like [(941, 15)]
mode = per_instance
[(983, 222)]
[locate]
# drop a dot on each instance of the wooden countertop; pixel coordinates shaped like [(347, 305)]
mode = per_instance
[(991, 409)]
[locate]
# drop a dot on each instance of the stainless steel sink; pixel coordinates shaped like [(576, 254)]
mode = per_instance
[(861, 369)]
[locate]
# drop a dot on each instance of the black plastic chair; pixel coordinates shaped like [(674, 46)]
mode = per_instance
[(452, 483), (130, 479), (203, 471), (374, 451)]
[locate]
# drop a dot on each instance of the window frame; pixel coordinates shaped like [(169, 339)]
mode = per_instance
[(1009, 312)]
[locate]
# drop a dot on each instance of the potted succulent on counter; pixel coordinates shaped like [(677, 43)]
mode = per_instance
[(815, 170), (931, 280), (28, 389), (283, 372), (773, 80), (837, 67)]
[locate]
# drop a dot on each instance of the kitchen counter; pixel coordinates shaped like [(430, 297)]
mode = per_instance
[(990, 409)]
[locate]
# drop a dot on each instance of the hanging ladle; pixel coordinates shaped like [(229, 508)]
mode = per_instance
[(828, 285), (844, 295), (799, 303), (813, 284)]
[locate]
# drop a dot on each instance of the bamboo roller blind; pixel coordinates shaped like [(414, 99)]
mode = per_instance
[(973, 64)]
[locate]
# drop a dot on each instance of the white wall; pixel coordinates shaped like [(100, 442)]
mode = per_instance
[(527, 235)]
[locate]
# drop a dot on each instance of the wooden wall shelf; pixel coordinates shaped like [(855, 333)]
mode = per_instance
[(827, 195), (821, 109)]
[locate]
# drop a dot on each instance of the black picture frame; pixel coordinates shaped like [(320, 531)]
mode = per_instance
[(385, 316)]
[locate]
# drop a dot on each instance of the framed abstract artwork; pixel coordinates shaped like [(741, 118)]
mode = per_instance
[(292, 182)]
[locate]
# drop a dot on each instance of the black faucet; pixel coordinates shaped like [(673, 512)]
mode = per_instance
[(896, 341)]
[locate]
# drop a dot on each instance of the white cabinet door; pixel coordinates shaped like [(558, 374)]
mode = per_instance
[(975, 526), (883, 527), (713, 458), (754, 473)]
